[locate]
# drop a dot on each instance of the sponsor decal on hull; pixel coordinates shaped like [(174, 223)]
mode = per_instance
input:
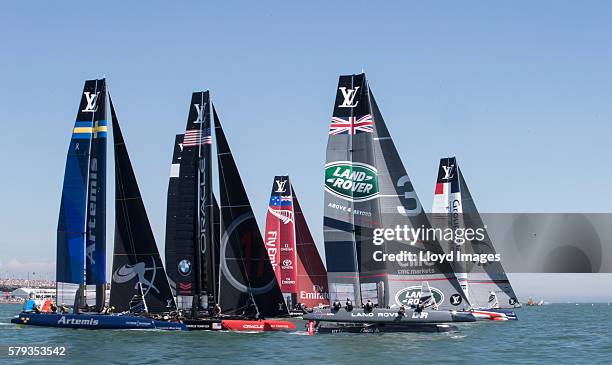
[(261, 325), (69, 321), (410, 296)]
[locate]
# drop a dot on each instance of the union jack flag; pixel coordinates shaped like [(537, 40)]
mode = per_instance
[(352, 125), (196, 137)]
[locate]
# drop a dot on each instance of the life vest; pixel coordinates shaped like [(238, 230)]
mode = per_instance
[(29, 306), (46, 307)]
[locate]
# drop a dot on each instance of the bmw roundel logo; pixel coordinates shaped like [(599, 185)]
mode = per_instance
[(184, 267)]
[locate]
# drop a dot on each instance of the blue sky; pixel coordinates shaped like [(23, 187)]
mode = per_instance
[(519, 91)]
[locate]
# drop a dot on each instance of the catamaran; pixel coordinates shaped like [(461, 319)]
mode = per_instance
[(485, 285), (294, 255), (138, 274), (367, 188), (215, 255)]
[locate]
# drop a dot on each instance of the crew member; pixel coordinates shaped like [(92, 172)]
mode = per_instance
[(369, 306), (401, 312), (336, 305), (349, 304), (30, 305), (46, 306)]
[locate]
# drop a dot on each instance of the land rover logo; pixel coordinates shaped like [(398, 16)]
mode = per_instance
[(410, 296), (352, 181)]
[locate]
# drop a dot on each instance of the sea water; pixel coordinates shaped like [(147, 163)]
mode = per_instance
[(552, 334)]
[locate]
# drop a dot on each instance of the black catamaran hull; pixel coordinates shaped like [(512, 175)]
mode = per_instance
[(388, 316), (203, 324), (95, 321), (383, 328)]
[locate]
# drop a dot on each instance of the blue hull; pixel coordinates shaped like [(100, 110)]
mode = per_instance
[(95, 321)]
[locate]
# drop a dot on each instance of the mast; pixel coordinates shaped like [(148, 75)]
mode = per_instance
[(247, 281), (136, 260), (73, 227)]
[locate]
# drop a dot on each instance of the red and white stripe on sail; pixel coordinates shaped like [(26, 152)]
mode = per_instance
[(196, 137)]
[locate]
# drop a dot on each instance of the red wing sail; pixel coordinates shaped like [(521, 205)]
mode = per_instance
[(280, 236)]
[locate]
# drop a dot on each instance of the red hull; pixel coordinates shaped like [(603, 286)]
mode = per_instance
[(493, 316), (264, 325)]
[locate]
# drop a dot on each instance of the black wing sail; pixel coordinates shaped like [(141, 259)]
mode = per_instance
[(172, 248), (135, 256), (349, 213), (367, 188), (189, 217), (245, 268)]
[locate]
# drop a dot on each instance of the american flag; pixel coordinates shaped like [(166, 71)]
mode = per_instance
[(352, 125), (196, 137)]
